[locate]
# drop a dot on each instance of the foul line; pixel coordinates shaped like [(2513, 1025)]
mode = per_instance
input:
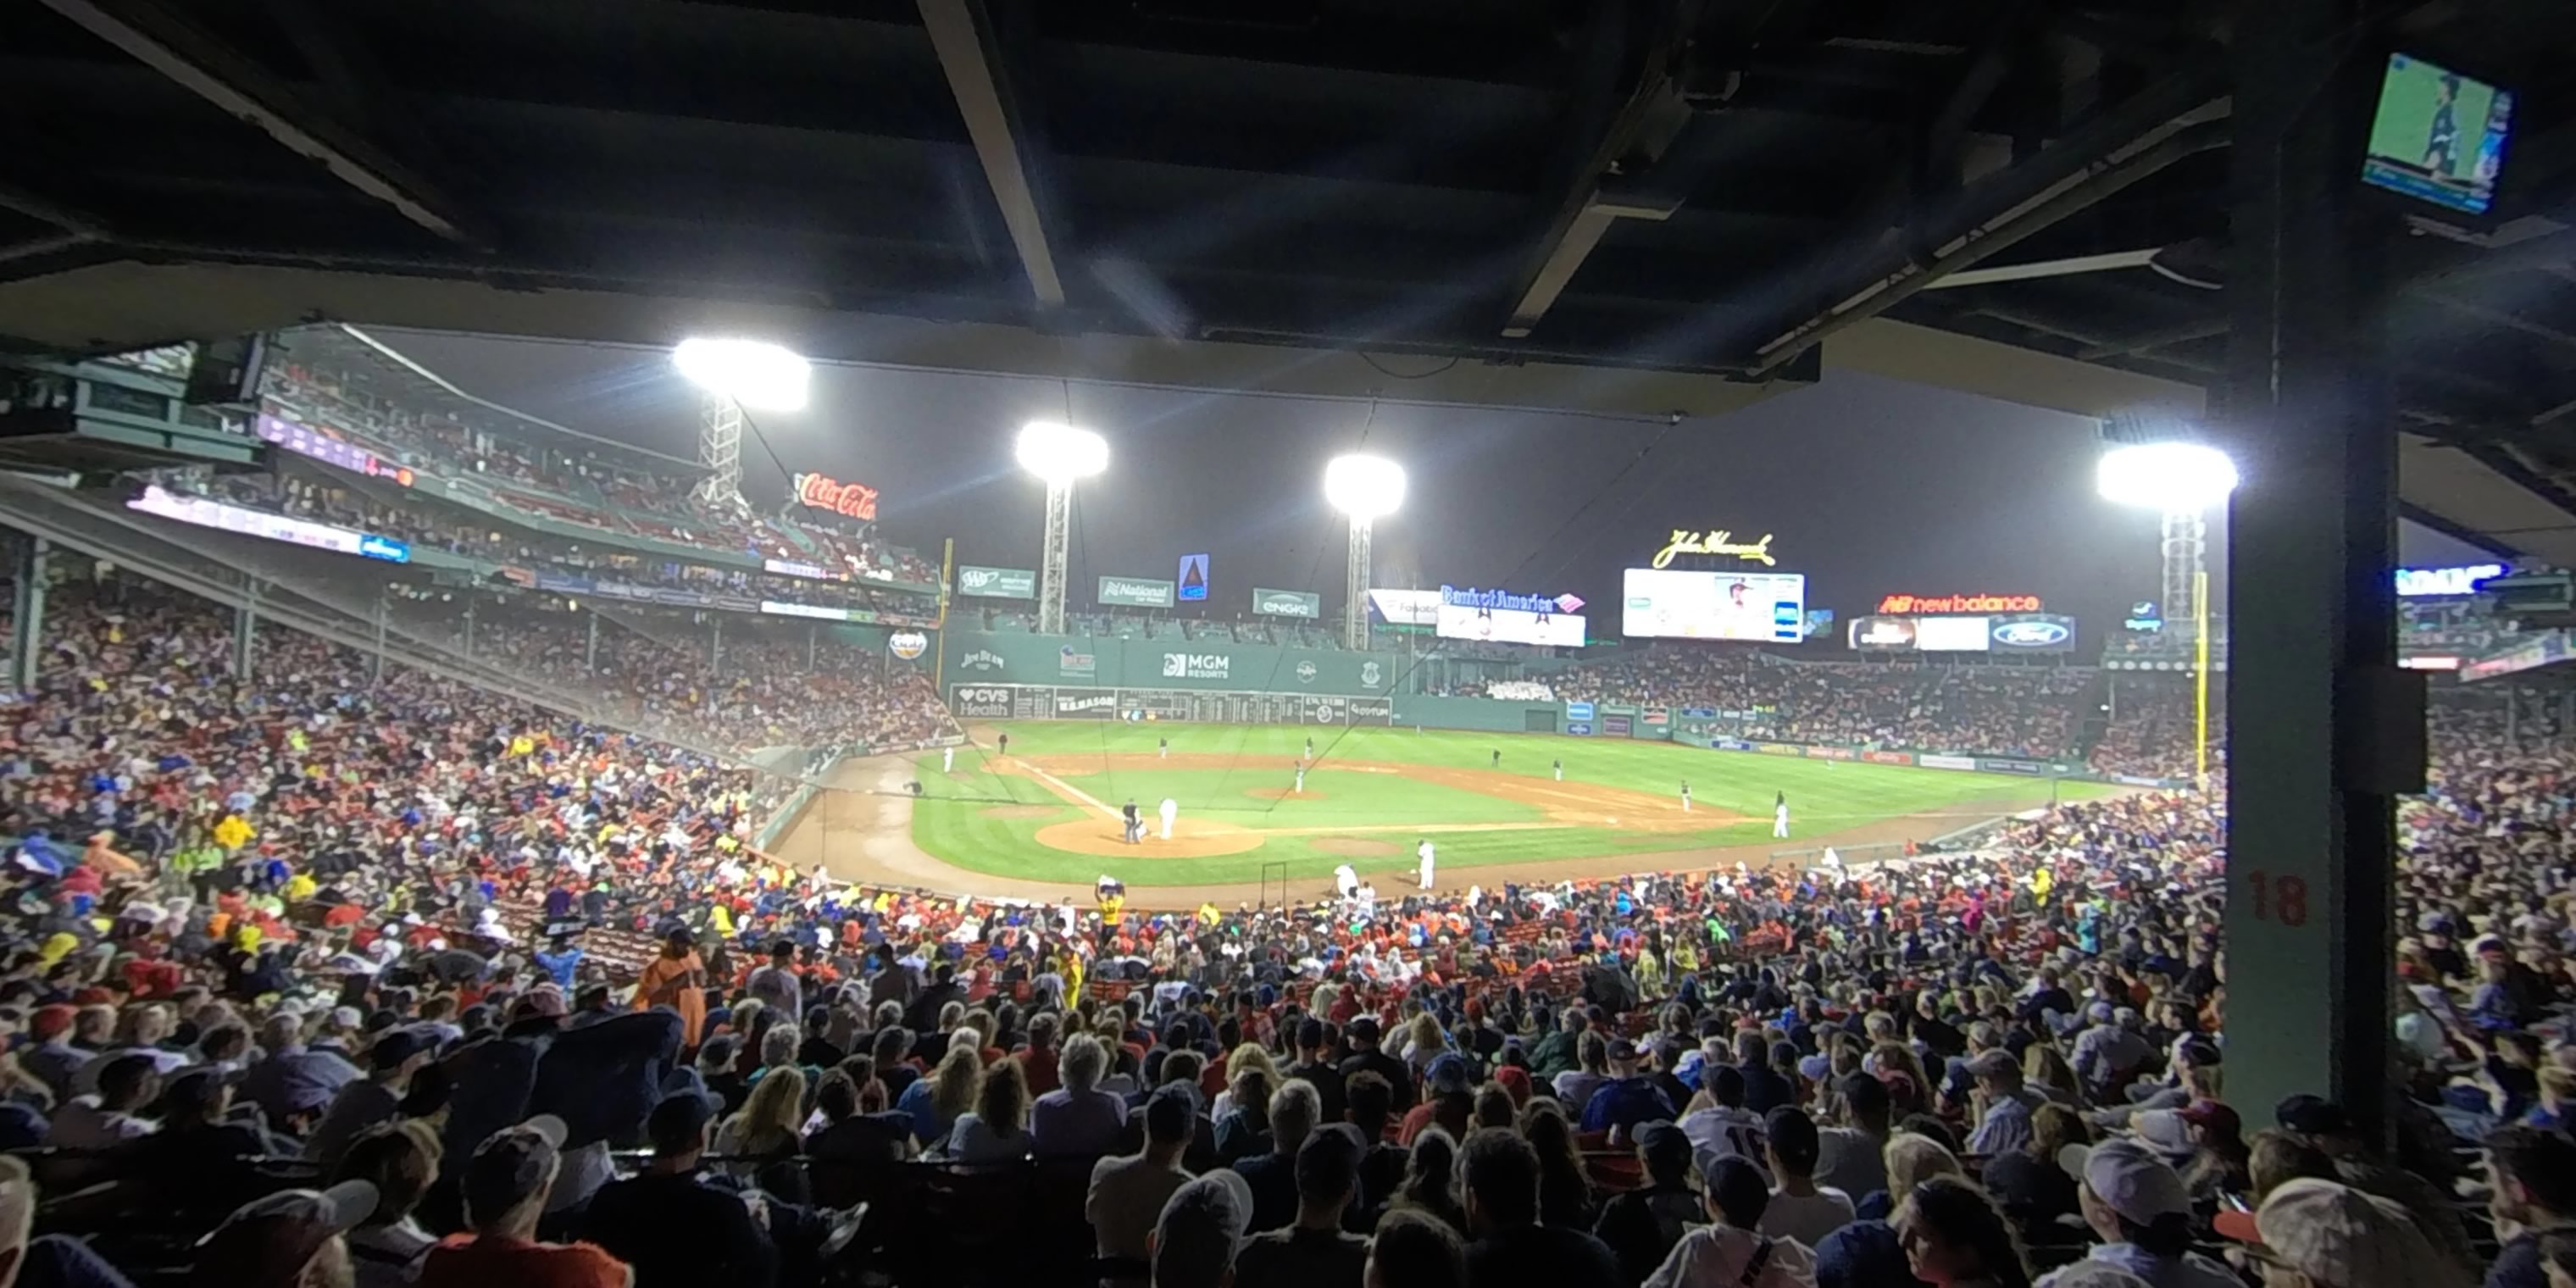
[(1064, 788)]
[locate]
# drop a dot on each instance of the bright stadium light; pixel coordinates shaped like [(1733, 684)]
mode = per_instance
[(2171, 477), (1060, 453), (1366, 488), (2182, 480), (759, 375)]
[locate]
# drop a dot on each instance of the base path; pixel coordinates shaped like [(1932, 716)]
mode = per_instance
[(860, 829)]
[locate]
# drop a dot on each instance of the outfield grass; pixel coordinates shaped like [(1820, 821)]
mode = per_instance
[(953, 821)]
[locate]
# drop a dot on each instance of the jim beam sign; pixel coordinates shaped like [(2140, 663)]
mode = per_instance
[(821, 492)]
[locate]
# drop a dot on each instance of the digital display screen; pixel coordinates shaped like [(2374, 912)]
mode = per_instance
[(206, 513), (2438, 136), (1952, 634), (1509, 626), (1678, 603), (1406, 607)]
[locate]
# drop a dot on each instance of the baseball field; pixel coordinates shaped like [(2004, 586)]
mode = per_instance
[(1049, 810)]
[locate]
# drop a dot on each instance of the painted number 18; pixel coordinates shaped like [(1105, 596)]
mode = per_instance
[(2281, 898)]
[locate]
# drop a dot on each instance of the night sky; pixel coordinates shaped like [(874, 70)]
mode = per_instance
[(1869, 486)]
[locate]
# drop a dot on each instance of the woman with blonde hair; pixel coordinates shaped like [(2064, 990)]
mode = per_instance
[(935, 1101), (762, 1138), (1249, 1055), (996, 1130), (1423, 1043), (1914, 1096)]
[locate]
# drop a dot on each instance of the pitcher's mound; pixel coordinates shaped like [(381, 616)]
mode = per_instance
[(1354, 847), (1020, 811), (1283, 794), (1094, 834)]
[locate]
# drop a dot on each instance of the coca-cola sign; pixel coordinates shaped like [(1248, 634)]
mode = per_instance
[(856, 500)]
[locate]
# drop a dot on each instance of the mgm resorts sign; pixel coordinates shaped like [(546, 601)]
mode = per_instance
[(1198, 666)]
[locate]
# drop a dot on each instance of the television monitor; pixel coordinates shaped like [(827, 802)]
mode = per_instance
[(2438, 136)]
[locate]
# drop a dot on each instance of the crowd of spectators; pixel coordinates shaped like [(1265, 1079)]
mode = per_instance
[(2036, 712), (327, 978)]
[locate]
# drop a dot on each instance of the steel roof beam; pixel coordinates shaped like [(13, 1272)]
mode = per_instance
[(961, 32), (188, 55)]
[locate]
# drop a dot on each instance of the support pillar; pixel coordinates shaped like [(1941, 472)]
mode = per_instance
[(1052, 557), (715, 644), (590, 646), (2322, 732), (469, 628), (812, 634), (27, 606), (376, 662), (245, 629), (2513, 717)]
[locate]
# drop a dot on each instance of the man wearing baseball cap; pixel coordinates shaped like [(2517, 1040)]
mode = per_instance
[(2137, 1205), (504, 1187), (391, 1062), (286, 1239), (1627, 1099), (1200, 1231), (2320, 1234)]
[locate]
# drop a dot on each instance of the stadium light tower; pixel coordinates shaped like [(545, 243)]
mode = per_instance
[(2182, 481), (1059, 455), (1366, 488), (735, 375)]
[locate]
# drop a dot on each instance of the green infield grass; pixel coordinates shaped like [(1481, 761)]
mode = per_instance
[(1374, 791)]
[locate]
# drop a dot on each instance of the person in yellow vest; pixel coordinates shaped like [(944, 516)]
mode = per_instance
[(300, 887), (2041, 882), (232, 833), (723, 919)]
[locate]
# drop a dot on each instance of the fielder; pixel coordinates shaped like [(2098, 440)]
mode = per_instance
[(1163, 748), (1686, 798), (947, 759), (1559, 767), (1301, 780), (1779, 816), (1498, 758), (1171, 810), (1422, 856)]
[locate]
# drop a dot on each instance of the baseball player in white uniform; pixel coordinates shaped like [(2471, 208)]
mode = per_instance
[(1686, 798), (947, 759), (1422, 856), (1171, 810), (1779, 815), (1301, 779)]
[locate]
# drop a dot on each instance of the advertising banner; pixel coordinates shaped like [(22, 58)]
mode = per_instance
[(1946, 762), (1779, 749), (1732, 744), (1085, 704), (2031, 767), (1658, 715), (1699, 713), (1406, 607), (1211, 665), (1882, 633), (1135, 592), (1287, 603), (1953, 634), (1676, 603), (1618, 726), (1888, 757), (822, 492), (1832, 753), (997, 583), (983, 702), (1194, 578), (1959, 604), (1578, 710), (2033, 633), (907, 644), (792, 568), (1505, 617), (1075, 664), (1580, 729)]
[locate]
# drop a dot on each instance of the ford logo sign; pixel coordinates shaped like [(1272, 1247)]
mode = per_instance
[(2031, 634)]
